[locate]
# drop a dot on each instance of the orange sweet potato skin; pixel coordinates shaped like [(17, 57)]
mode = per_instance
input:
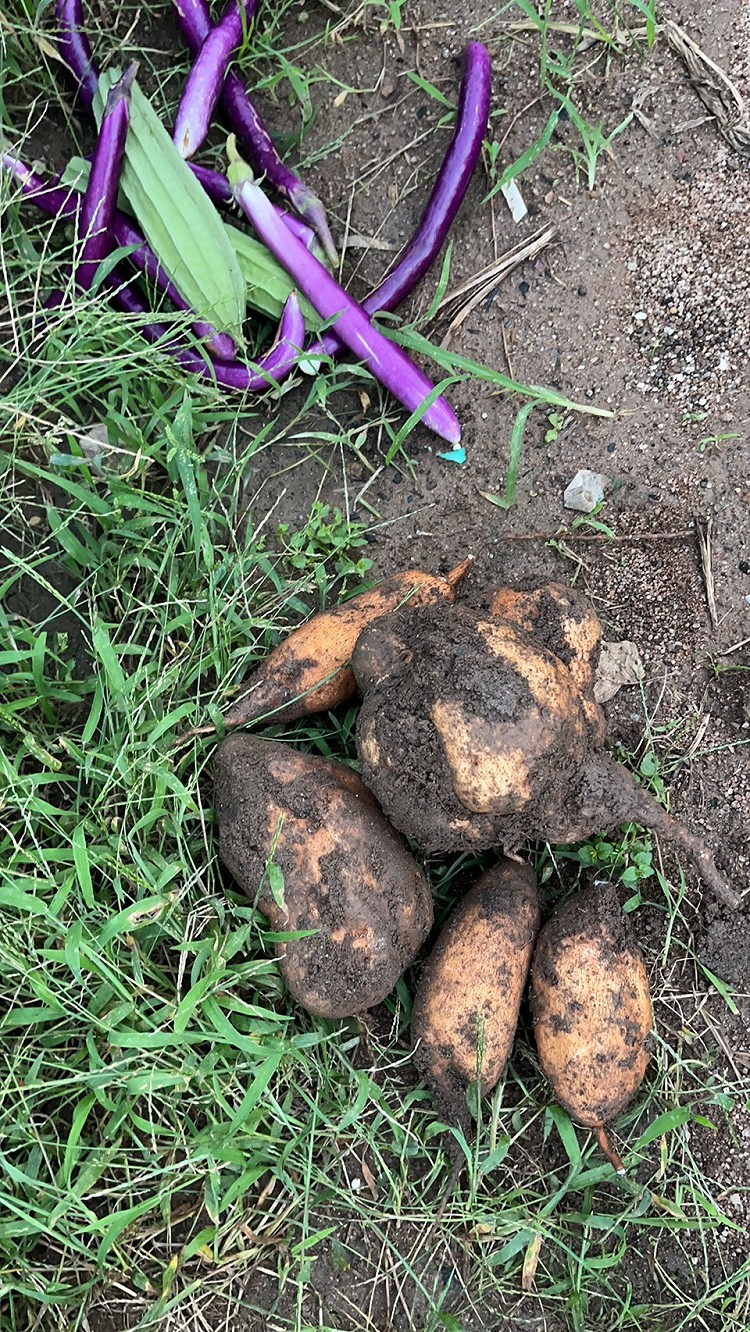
[(470, 991), (563, 621), (309, 671), (346, 874), (591, 1007)]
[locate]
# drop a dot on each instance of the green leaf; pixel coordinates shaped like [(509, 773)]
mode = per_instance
[(268, 285), (177, 217), (665, 1123), (506, 500)]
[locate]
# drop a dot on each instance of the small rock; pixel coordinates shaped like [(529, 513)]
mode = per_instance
[(95, 441), (585, 491)]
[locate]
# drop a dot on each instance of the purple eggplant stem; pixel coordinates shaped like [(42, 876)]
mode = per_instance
[(271, 369), (97, 212), (75, 50), (64, 202), (206, 78), (445, 199), (194, 19), (386, 361)]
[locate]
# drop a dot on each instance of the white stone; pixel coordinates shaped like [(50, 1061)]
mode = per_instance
[(585, 491)]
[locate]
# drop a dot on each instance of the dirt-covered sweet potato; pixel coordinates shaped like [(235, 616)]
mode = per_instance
[(472, 734), (467, 727), (309, 671), (305, 838), (562, 620), (467, 1001), (591, 1009)]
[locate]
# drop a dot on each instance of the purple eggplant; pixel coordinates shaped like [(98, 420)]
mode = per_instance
[(194, 19), (446, 198), (387, 362), (75, 49), (97, 211), (64, 202), (206, 78), (272, 368), (219, 190)]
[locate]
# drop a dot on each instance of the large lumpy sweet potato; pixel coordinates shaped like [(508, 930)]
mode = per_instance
[(472, 734), (467, 728), (468, 998), (309, 671), (591, 1007), (346, 874)]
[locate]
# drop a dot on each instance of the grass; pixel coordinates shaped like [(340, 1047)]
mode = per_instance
[(179, 1146)]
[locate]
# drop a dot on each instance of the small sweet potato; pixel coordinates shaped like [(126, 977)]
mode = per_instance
[(304, 837), (467, 1001), (309, 671), (591, 1009)]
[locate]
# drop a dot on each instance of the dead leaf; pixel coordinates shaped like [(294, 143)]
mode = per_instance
[(619, 664), (530, 1263), (369, 1178)]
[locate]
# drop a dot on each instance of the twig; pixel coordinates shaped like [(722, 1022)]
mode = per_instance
[(704, 545), (563, 533), (744, 642), (485, 283)]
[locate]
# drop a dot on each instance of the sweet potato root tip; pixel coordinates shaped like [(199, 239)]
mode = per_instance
[(611, 796), (607, 1149), (458, 574)]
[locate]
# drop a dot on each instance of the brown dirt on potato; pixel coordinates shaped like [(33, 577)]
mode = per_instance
[(444, 660), (346, 875), (471, 986)]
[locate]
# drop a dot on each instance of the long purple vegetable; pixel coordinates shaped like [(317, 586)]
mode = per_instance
[(97, 212), (75, 50), (446, 197), (387, 362), (64, 201), (269, 370), (194, 19), (206, 78), (219, 191)]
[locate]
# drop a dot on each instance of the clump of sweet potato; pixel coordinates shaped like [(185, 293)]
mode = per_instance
[(591, 1009), (468, 998), (309, 671), (305, 838), (473, 733)]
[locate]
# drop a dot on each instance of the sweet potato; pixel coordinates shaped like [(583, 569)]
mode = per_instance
[(309, 671), (464, 724), (562, 620), (467, 1001), (474, 735), (591, 1009), (304, 837)]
